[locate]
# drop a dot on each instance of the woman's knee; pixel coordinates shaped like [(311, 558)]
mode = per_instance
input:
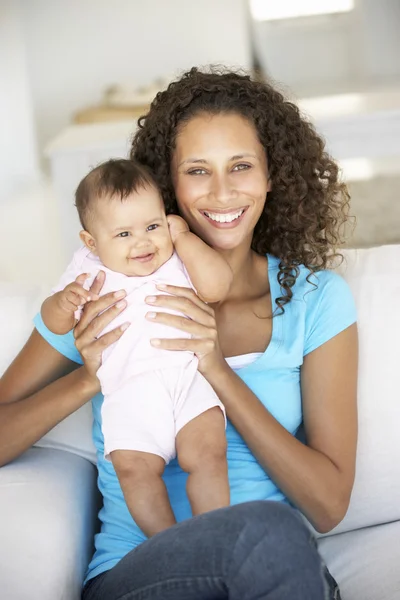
[(274, 550), (276, 519)]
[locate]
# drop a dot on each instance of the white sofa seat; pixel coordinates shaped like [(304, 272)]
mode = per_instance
[(48, 508), (365, 561)]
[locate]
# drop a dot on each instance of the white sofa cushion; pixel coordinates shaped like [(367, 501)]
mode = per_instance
[(374, 277), (365, 563), (18, 305), (48, 510)]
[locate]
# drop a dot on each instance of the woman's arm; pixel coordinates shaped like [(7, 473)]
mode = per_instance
[(42, 387), (317, 478), (39, 389)]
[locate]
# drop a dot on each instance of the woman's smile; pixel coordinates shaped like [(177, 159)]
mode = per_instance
[(225, 219)]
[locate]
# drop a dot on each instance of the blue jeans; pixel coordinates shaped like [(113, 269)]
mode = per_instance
[(251, 551)]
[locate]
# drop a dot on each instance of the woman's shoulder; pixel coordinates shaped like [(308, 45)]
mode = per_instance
[(321, 282), (321, 307), (329, 306), (325, 281)]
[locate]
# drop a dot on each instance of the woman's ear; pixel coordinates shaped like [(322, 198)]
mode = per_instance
[(88, 240)]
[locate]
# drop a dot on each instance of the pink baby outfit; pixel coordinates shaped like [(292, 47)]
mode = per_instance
[(149, 393)]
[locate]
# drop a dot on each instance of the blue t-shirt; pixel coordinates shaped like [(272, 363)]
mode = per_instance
[(314, 315)]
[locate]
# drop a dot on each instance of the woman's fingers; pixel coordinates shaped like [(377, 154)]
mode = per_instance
[(197, 346), (188, 293), (100, 344), (93, 309), (201, 313), (194, 327), (92, 323)]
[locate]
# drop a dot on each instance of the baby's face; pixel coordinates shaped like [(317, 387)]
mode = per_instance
[(131, 236)]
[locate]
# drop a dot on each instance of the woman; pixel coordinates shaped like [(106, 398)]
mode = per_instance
[(251, 178)]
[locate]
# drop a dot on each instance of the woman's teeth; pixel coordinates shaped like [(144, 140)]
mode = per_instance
[(226, 217)]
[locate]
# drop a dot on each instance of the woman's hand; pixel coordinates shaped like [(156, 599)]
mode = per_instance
[(198, 321), (96, 316)]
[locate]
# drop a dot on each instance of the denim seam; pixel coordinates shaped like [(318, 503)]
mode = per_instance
[(132, 594), (248, 556)]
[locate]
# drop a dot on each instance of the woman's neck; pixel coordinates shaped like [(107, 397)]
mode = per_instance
[(249, 272)]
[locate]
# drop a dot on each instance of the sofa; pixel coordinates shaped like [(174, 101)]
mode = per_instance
[(49, 500)]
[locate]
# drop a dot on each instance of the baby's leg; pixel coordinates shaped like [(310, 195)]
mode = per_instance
[(139, 438), (140, 476), (201, 450)]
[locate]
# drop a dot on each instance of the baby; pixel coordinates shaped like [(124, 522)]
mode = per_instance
[(156, 403)]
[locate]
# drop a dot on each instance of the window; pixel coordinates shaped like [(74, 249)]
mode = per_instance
[(271, 10)]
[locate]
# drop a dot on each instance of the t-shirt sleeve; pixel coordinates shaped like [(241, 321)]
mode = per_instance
[(330, 310), (64, 344)]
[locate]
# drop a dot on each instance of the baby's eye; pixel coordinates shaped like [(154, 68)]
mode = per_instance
[(123, 234), (152, 227)]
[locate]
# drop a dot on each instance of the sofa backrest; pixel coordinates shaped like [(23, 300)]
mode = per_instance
[(374, 277)]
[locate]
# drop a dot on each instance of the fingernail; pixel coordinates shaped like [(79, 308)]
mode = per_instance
[(161, 286), (98, 275), (155, 342), (121, 304), (119, 294), (124, 326), (88, 298), (151, 315), (150, 299)]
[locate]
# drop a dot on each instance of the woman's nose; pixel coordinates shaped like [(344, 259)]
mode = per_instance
[(222, 189)]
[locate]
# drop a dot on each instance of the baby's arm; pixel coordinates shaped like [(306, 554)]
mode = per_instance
[(208, 270), (58, 310)]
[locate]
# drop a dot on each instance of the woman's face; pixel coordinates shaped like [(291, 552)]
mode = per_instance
[(220, 176)]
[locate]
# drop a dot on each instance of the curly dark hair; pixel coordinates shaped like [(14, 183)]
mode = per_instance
[(303, 217)]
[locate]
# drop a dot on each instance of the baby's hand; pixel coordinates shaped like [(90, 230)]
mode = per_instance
[(176, 225), (74, 295)]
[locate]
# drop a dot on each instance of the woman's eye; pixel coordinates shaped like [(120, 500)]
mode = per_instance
[(123, 234), (196, 172), (152, 227), (241, 167)]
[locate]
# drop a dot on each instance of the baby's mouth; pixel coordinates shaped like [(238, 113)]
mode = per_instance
[(147, 257)]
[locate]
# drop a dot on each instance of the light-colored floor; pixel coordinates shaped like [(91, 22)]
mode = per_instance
[(32, 248)]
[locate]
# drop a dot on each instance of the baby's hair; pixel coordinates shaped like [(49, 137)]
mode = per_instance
[(114, 178)]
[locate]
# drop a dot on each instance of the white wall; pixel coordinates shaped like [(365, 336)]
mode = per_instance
[(77, 48), (18, 161), (333, 53), (380, 38)]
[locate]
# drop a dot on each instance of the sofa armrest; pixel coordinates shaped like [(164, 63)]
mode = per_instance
[(48, 517)]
